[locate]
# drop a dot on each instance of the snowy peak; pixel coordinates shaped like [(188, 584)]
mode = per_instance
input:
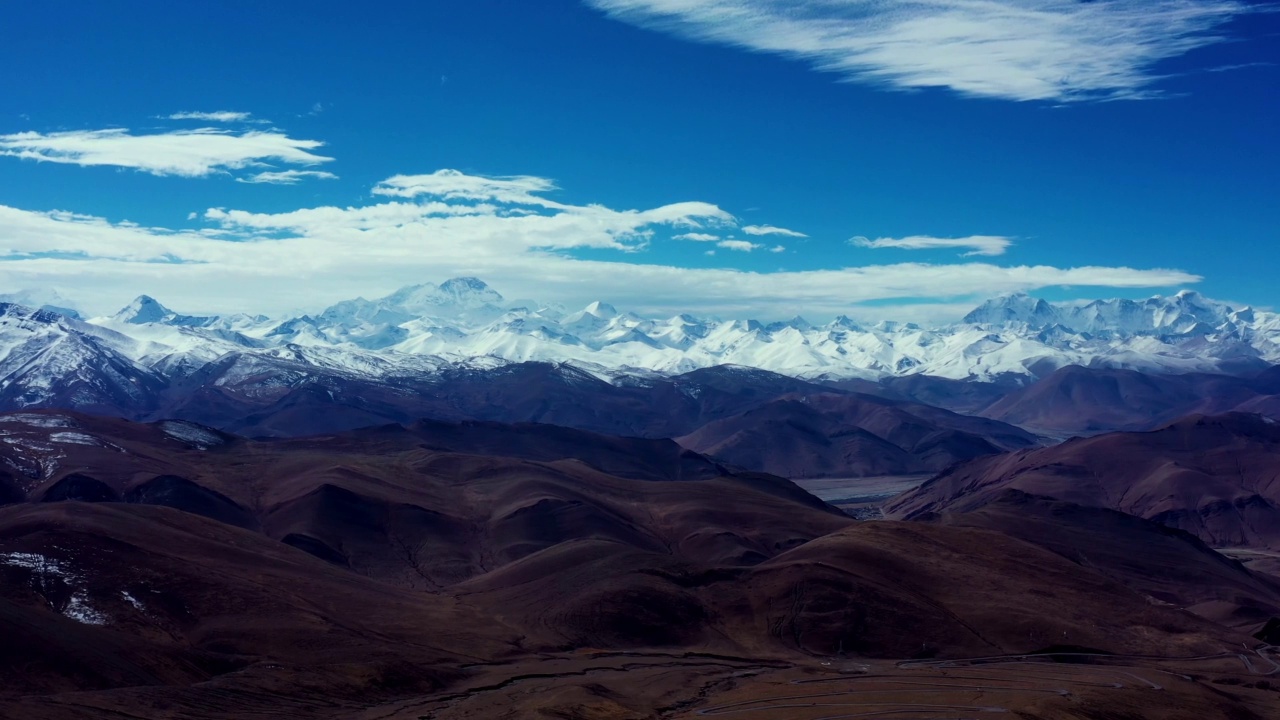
[(597, 316), (451, 295), (462, 292), (469, 292), (844, 322), (1015, 308), (144, 309), (467, 303), (795, 323), (601, 310), (1187, 312), (1189, 308)]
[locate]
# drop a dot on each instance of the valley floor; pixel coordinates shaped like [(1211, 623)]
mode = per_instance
[(590, 685), (860, 495)]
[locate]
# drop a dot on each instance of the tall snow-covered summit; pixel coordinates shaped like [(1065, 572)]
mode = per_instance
[(1015, 308), (1185, 312), (462, 321)]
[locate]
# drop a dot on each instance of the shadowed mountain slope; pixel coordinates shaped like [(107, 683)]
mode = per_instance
[(1079, 400), (1169, 565), (427, 505), (1216, 477), (851, 436)]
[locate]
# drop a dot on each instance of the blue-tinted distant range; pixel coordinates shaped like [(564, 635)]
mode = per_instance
[(724, 158)]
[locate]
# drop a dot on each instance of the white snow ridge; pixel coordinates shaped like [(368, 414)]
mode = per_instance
[(419, 330)]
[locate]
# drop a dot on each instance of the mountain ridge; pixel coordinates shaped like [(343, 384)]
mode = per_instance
[(362, 363), (1011, 334)]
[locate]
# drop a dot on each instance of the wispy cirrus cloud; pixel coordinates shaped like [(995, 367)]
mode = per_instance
[(696, 237), (222, 116), (739, 245), (183, 153), (1056, 50), (988, 245), (287, 177), (758, 230), (239, 260)]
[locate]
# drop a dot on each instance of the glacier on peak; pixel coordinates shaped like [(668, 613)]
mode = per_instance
[(601, 310), (460, 293), (1015, 308), (145, 309)]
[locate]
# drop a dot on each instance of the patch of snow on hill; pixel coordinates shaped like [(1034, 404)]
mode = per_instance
[(74, 438), (45, 570), (194, 435), (40, 421)]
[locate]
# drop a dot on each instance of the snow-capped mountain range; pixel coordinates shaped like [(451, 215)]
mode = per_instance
[(465, 323)]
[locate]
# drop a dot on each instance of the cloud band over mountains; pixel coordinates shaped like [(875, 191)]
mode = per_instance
[(450, 223)]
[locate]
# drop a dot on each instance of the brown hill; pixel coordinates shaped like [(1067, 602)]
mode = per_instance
[(1216, 477), (1076, 400), (874, 589), (173, 571), (1163, 563), (424, 506), (899, 587), (963, 396), (129, 595), (831, 435), (283, 398)]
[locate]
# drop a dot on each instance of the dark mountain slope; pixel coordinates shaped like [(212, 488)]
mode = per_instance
[(1078, 400), (1166, 564), (1215, 477), (851, 436)]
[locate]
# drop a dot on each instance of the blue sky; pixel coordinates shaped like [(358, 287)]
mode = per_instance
[(929, 153)]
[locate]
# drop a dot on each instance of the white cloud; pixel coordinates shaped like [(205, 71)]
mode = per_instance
[(988, 245), (1058, 50), (222, 116), (738, 245), (697, 237), (185, 153), (778, 249), (274, 262), (928, 314), (758, 230), (456, 185), (287, 177)]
